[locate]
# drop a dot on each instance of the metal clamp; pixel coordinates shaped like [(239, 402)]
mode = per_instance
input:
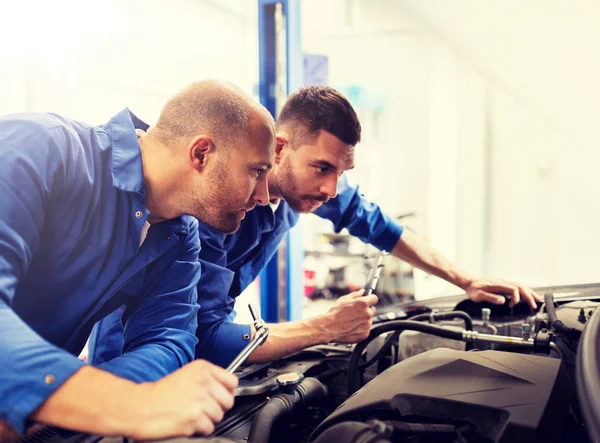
[(262, 332), (432, 316), (474, 337), (542, 342)]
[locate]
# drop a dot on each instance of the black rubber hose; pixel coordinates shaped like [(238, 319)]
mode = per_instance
[(388, 427), (555, 324), (550, 308), (397, 325), (389, 342), (586, 369), (350, 432), (307, 391), (436, 317), (448, 316)]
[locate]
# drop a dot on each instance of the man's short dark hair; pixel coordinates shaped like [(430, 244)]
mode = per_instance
[(310, 110)]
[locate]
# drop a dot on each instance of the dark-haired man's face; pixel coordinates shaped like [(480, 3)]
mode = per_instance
[(308, 174)]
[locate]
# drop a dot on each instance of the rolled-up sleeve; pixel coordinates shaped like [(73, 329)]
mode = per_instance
[(363, 219), (32, 167), (160, 327)]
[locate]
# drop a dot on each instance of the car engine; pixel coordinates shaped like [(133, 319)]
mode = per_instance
[(445, 370)]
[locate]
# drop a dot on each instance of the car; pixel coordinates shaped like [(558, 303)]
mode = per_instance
[(442, 370)]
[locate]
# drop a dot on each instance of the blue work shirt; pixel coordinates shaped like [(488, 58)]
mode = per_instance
[(231, 262), (72, 211)]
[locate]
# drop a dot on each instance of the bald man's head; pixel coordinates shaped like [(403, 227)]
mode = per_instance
[(209, 155), (216, 109)]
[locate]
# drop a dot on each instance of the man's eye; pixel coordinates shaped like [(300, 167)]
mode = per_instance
[(322, 170), (260, 171)]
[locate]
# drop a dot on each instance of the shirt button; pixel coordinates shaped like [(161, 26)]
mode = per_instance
[(246, 337), (138, 214), (168, 237), (49, 379)]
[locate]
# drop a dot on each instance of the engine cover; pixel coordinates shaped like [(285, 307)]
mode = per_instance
[(506, 397)]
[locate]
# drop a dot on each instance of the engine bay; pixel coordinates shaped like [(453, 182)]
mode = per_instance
[(445, 370)]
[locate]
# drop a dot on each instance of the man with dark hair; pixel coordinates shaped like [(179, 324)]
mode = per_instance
[(316, 133), (311, 110), (93, 219)]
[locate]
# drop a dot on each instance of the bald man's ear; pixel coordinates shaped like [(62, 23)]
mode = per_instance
[(281, 143), (199, 149)]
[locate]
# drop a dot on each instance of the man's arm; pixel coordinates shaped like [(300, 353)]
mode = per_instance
[(419, 253), (32, 367), (220, 340), (365, 220), (188, 401), (349, 321), (160, 325), (46, 384)]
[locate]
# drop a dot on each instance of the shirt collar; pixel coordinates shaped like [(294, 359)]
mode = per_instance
[(127, 170)]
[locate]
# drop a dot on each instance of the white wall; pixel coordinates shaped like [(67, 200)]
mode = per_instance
[(539, 61), (89, 59), (359, 54), (424, 152), (489, 132)]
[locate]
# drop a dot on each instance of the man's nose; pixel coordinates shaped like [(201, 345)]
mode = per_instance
[(329, 187), (261, 193)]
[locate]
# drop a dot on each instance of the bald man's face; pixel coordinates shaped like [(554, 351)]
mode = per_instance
[(235, 182)]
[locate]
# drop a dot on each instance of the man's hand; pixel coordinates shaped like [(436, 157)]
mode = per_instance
[(494, 291), (419, 253), (350, 320), (186, 402)]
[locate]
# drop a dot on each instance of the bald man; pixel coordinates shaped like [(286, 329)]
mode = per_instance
[(92, 220)]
